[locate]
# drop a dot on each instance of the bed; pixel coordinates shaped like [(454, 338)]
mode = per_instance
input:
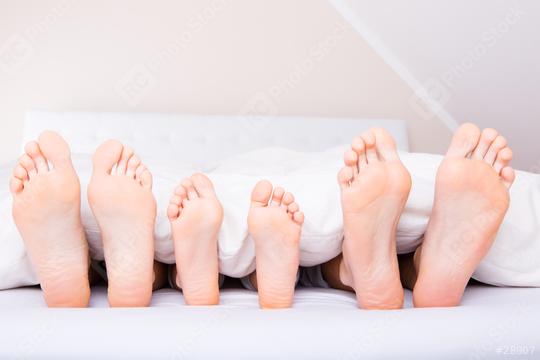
[(491, 323)]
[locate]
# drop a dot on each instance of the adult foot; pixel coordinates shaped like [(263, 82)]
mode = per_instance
[(275, 223), (46, 209), (120, 195), (196, 215), (471, 200), (374, 190)]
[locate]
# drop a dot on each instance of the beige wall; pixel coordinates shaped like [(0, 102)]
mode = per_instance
[(280, 57)]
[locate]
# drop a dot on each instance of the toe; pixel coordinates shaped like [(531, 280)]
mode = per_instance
[(180, 197), (107, 156), (277, 197), (464, 141), (175, 204), (486, 139), (16, 185), (508, 175), (177, 200), (55, 149), (497, 145), (298, 217), (173, 212), (345, 176), (385, 144), (20, 177), (132, 166), (203, 185), (288, 199), (292, 208), (181, 191), (34, 151), (504, 157), (140, 170), (28, 164), (359, 147), (127, 154), (261, 194), (20, 173), (146, 179), (370, 141), (351, 161), (190, 189)]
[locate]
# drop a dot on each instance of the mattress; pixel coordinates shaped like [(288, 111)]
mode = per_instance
[(324, 324), (492, 323)]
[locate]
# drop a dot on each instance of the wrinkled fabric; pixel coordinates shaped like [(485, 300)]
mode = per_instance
[(514, 259)]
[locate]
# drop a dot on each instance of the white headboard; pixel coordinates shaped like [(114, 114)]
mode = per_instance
[(202, 140)]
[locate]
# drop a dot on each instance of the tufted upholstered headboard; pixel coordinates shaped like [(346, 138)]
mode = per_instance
[(202, 140)]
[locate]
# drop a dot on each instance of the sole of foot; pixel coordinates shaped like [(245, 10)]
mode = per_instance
[(196, 215), (120, 195), (46, 210), (275, 223), (374, 190), (471, 200)]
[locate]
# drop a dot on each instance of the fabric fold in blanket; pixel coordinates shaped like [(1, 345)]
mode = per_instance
[(514, 259)]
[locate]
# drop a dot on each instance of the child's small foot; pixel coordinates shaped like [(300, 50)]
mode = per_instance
[(275, 223), (120, 195), (46, 209), (471, 200), (196, 216), (374, 190)]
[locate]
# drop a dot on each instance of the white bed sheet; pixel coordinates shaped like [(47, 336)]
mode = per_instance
[(324, 324)]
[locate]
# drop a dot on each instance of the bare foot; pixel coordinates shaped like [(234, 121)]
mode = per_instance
[(374, 190), (275, 226), (196, 216), (120, 195), (46, 209), (471, 200)]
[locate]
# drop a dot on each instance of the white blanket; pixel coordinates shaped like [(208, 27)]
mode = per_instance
[(514, 259)]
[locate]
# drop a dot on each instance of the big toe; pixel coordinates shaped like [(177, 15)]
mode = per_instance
[(385, 144), (261, 193), (55, 148), (464, 141), (107, 156), (203, 185)]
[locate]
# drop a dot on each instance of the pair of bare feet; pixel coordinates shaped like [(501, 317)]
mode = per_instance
[(471, 200), (274, 222), (46, 210)]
